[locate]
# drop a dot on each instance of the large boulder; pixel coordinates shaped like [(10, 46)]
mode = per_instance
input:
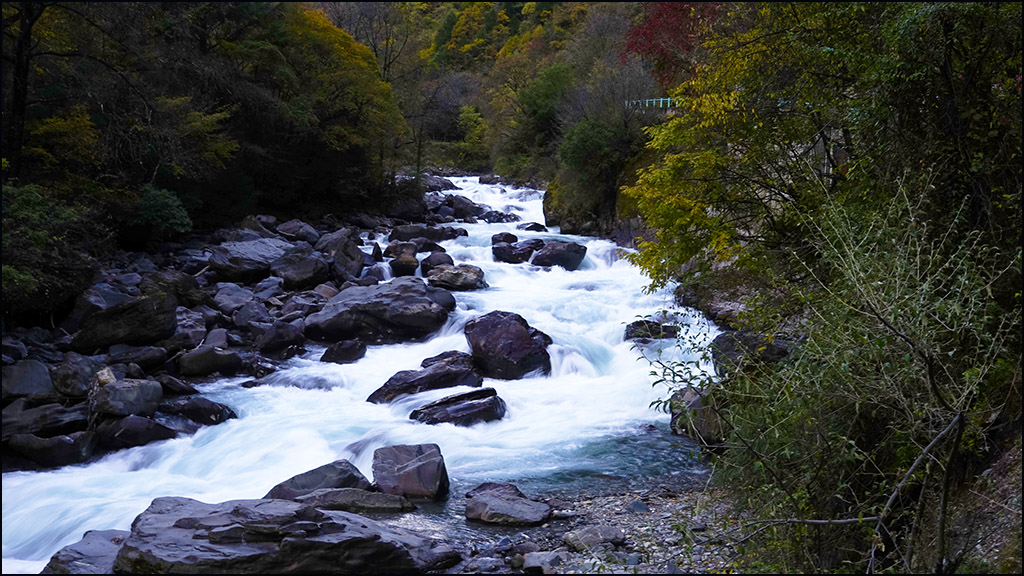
[(494, 503), (147, 357), (517, 252), (402, 309), (463, 207), (72, 377), (298, 230), (433, 377), (182, 286), (55, 451), (344, 352), (467, 409), (93, 554), (337, 474), (126, 397), (247, 261), (414, 471), (505, 346), (26, 378), (300, 269), (460, 278), (734, 349), (180, 535), (131, 431), (207, 359), (277, 336), (99, 296), (356, 500), (434, 260), (46, 420), (141, 321), (568, 255), (407, 232), (231, 297), (648, 329)]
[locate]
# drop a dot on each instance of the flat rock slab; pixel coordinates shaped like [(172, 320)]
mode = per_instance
[(433, 377), (337, 474), (247, 261), (140, 321), (467, 409), (93, 554), (356, 500), (414, 471), (495, 503)]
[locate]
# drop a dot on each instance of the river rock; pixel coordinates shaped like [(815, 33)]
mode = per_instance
[(300, 269), (644, 329), (467, 409), (464, 207), (402, 309), (434, 260), (250, 313), (206, 360), (99, 296), (26, 378), (131, 431), (93, 554), (404, 265), (197, 409), (407, 232), (516, 253), (231, 297), (73, 375), (356, 500), (504, 237), (182, 286), (732, 349), (173, 386), (337, 474), (46, 420), (693, 416), (56, 451), (498, 217), (276, 336), (495, 503), (180, 535), (532, 227), (344, 352), (247, 261), (396, 249), (462, 277), (432, 183), (147, 357), (298, 230), (587, 538), (433, 377), (141, 321), (269, 287), (568, 255), (504, 346), (545, 562), (414, 471), (126, 397), (190, 332)]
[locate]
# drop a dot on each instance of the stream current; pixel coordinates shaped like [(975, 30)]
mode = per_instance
[(586, 427)]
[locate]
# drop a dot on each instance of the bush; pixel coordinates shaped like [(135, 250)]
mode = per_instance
[(162, 210)]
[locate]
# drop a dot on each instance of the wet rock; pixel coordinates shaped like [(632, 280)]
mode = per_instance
[(14, 348), (46, 420), (404, 265), (131, 431), (231, 297), (327, 291), (173, 386), (432, 183), (147, 357), (356, 500), (588, 538), (197, 409), (277, 336), (72, 377), (568, 255), (495, 503), (467, 409), (433, 377), (55, 451), (141, 321), (337, 474), (463, 207), (396, 249), (250, 313), (516, 253), (642, 329), (451, 358), (300, 269), (349, 260), (206, 360), (93, 554), (409, 231), (505, 346), (97, 297), (491, 179), (460, 278), (414, 471), (497, 217), (344, 352), (434, 260), (182, 286), (506, 237), (247, 261), (298, 230), (26, 378), (179, 535), (402, 309), (126, 397), (532, 227)]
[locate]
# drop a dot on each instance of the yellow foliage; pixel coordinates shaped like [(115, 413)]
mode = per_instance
[(68, 136)]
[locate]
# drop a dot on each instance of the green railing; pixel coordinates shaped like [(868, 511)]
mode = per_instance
[(653, 103)]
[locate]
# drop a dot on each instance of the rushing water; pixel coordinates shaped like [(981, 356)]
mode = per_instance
[(583, 427)]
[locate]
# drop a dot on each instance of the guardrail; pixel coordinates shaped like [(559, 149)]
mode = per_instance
[(653, 103)]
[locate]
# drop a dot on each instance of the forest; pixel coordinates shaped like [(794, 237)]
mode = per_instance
[(849, 173)]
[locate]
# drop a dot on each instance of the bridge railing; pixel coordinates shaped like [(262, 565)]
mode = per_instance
[(654, 103)]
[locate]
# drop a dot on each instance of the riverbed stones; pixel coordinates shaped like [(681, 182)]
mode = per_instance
[(181, 535), (458, 278), (434, 376), (277, 335), (298, 230), (231, 297), (413, 471), (247, 261), (200, 410), (646, 329), (147, 357), (207, 359), (356, 500), (53, 419), (26, 378), (504, 346), (402, 309), (434, 260), (506, 237), (467, 409), (73, 375), (404, 264), (175, 282), (337, 474), (131, 431), (505, 504), (344, 352), (141, 321), (93, 554), (54, 451), (126, 397), (300, 269), (517, 252), (568, 255), (588, 538), (407, 232)]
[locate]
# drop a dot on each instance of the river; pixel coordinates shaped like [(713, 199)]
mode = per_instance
[(586, 426)]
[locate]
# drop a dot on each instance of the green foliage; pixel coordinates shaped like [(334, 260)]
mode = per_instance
[(472, 150), (162, 210)]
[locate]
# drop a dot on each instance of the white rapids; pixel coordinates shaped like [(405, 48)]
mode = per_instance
[(575, 422)]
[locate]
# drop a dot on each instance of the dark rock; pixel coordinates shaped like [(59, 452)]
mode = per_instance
[(277, 336), (302, 304), (532, 227), (344, 352), (337, 474), (589, 537), (462, 409), (494, 503), (348, 259), (464, 207), (376, 253), (434, 260), (326, 290), (44, 421), (182, 286), (231, 297), (432, 183), (131, 431), (496, 217), (568, 255), (259, 225), (515, 253), (56, 451), (409, 231), (26, 378), (404, 265), (404, 308), (491, 179), (180, 535), (97, 297), (732, 349), (396, 249), (461, 277), (506, 237), (693, 416), (147, 357), (452, 358), (126, 397), (251, 312), (544, 562), (356, 500), (93, 554), (505, 346), (173, 386), (414, 471), (300, 269), (211, 317), (269, 287), (218, 338), (14, 348), (197, 409), (247, 261), (190, 332), (72, 377), (435, 376), (642, 329), (298, 230), (206, 360), (142, 321)]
